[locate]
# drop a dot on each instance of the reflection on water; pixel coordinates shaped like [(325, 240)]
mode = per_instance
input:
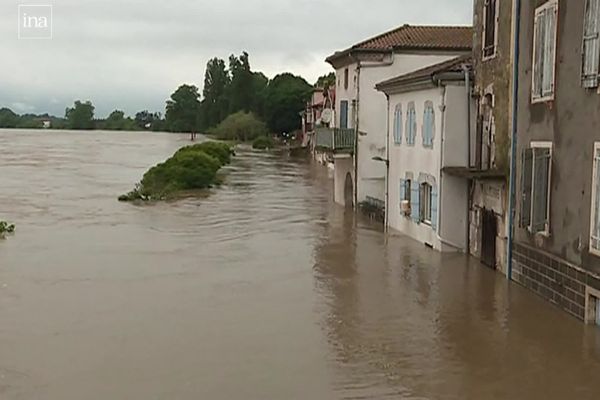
[(264, 290)]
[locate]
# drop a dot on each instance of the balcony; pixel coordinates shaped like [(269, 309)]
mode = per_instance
[(336, 140)]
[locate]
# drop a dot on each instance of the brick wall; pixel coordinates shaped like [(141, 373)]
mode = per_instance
[(554, 279)]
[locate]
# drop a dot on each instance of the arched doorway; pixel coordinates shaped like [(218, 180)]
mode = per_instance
[(349, 191)]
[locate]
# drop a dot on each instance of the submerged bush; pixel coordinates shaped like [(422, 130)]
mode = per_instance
[(240, 126), (5, 228), (190, 168), (263, 143)]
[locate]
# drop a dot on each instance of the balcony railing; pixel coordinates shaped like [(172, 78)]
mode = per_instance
[(336, 139)]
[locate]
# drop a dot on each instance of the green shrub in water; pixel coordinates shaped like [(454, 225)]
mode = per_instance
[(5, 228), (263, 143), (190, 168)]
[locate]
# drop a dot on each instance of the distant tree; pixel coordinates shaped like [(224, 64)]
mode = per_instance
[(117, 121), (183, 109), (8, 119), (285, 98), (242, 81), (326, 81), (215, 106), (81, 116)]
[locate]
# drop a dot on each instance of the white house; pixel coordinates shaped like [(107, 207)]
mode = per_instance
[(428, 114), (361, 109)]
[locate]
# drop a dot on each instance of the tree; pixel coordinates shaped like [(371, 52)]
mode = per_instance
[(183, 109), (285, 98), (240, 126), (215, 105), (240, 89), (117, 121), (326, 81), (8, 119), (81, 116)]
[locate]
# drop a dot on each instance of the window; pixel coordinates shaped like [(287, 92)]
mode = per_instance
[(405, 195), (425, 201), (595, 214), (535, 183), (544, 51), (346, 78), (411, 124), (428, 124), (344, 114), (490, 29), (398, 124), (591, 44)]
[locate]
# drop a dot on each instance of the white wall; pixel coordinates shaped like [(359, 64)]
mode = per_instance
[(452, 193), (343, 167), (372, 118)]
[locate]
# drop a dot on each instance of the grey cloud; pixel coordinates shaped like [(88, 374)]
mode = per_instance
[(132, 54)]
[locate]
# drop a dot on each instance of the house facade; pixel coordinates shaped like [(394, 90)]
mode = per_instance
[(321, 99), (362, 111), (428, 127), (557, 218)]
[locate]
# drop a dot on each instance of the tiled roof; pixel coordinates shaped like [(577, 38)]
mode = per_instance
[(452, 65), (419, 37)]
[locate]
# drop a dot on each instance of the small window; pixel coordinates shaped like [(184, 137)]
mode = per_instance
[(411, 124), (591, 44), (544, 51), (398, 124), (490, 29), (346, 72), (425, 202), (405, 197), (535, 184), (428, 125), (595, 214)]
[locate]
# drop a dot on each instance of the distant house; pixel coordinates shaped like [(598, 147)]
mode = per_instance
[(428, 122), (358, 135), (46, 124), (321, 99)]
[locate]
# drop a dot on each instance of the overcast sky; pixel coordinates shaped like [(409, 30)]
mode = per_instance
[(132, 54)]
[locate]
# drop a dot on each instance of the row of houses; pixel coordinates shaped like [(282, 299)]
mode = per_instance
[(482, 139)]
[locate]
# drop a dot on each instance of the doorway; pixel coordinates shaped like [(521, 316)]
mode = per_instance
[(488, 238), (349, 191)]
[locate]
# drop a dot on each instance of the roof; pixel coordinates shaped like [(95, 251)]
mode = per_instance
[(454, 65), (416, 37)]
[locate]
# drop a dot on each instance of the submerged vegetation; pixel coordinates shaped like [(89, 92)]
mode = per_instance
[(263, 143), (190, 168), (5, 228)]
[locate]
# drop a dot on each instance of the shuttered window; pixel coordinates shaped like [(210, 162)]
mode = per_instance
[(425, 202), (535, 182), (544, 51), (490, 28), (591, 44), (428, 124), (595, 214), (411, 124), (398, 124)]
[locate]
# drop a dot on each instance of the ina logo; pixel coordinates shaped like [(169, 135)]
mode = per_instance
[(35, 21)]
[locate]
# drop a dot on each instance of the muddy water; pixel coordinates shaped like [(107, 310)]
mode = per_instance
[(264, 290)]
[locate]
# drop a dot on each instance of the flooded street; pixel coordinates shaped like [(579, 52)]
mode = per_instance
[(264, 290)]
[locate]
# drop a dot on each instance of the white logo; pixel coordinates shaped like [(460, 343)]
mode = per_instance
[(35, 21)]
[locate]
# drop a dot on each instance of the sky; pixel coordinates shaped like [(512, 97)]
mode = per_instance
[(132, 54)]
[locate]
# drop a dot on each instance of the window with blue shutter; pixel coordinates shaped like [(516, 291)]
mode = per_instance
[(414, 204), (434, 207), (411, 124), (398, 124), (428, 125), (402, 193), (544, 51)]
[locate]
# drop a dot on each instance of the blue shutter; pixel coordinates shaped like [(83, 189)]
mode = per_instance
[(402, 190), (434, 208), (414, 203)]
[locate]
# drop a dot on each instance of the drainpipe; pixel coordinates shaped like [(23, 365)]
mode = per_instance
[(513, 147), (467, 72), (387, 165)]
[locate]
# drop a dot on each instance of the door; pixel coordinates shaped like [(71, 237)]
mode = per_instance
[(343, 114), (488, 238)]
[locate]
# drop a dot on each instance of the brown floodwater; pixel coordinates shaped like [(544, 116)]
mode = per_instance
[(263, 290)]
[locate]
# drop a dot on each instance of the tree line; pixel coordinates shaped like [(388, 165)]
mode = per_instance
[(234, 98)]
